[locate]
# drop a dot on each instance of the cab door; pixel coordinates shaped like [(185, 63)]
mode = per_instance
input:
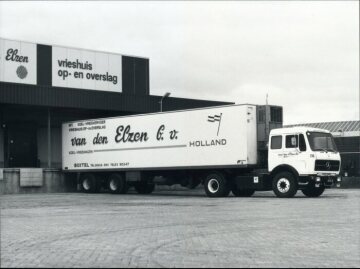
[(275, 152), (294, 152)]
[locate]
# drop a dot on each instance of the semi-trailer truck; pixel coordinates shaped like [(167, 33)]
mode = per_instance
[(232, 148)]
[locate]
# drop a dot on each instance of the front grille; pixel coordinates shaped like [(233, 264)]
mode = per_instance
[(326, 165)]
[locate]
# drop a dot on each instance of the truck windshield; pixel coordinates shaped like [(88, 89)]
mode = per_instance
[(321, 141)]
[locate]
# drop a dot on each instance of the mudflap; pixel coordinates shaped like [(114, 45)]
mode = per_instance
[(259, 182)]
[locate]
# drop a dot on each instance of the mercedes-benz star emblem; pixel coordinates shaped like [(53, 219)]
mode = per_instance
[(327, 164)]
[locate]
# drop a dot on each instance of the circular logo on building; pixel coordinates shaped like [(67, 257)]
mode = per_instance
[(21, 72)]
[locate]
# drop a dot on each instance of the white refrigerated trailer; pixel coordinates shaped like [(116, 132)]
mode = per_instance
[(224, 148)]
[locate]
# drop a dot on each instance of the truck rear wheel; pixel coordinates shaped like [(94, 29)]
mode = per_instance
[(216, 185), (89, 183), (284, 185), (312, 191), (144, 188), (117, 184), (242, 193)]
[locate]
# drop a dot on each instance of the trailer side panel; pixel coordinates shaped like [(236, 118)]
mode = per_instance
[(220, 136)]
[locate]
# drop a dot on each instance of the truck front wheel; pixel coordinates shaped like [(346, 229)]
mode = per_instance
[(312, 191), (89, 183), (144, 188), (216, 185), (117, 184), (285, 185)]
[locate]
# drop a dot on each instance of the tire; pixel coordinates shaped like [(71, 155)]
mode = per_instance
[(117, 184), (242, 193), (89, 183), (144, 188), (285, 185), (312, 191), (216, 185)]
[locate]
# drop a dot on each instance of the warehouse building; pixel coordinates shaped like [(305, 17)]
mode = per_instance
[(347, 138), (42, 86)]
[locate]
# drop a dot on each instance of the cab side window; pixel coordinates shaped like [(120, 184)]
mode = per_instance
[(276, 142), (291, 141), (302, 144)]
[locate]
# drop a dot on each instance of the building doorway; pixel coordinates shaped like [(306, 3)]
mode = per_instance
[(21, 145)]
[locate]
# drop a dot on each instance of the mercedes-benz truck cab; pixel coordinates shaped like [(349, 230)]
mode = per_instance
[(303, 158)]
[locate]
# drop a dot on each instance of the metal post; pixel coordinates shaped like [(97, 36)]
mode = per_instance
[(161, 101), (49, 138)]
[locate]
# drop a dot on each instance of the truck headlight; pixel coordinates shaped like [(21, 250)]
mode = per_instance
[(318, 179), (338, 179)]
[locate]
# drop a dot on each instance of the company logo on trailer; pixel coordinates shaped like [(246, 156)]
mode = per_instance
[(216, 118), (213, 142)]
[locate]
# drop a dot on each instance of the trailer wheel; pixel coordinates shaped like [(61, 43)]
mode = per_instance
[(117, 184), (242, 193), (284, 185), (89, 183), (216, 185), (144, 188), (312, 191)]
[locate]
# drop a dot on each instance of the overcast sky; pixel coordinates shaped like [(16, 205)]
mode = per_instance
[(305, 55)]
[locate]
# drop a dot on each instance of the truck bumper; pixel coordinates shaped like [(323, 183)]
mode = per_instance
[(320, 180)]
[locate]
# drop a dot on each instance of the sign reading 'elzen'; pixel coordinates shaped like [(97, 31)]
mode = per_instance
[(86, 69), (17, 62)]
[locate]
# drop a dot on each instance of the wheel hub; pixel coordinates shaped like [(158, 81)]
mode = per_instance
[(283, 185), (86, 184), (113, 185), (213, 185)]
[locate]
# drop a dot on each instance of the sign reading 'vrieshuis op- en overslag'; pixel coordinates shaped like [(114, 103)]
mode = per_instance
[(86, 69), (30, 63)]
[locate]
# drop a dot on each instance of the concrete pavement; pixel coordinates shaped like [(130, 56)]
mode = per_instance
[(180, 229)]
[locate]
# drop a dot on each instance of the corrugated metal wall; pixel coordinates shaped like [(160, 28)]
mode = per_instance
[(348, 144), (12, 93), (135, 74)]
